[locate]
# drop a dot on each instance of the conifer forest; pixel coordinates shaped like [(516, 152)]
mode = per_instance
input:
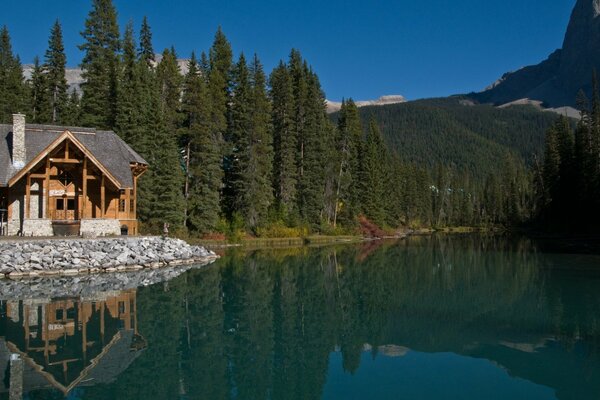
[(234, 149)]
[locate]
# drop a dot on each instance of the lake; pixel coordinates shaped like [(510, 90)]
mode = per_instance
[(443, 317)]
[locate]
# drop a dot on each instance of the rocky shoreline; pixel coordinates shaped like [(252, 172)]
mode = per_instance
[(35, 258)]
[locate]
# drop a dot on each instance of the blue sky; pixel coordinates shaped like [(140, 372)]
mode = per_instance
[(360, 49)]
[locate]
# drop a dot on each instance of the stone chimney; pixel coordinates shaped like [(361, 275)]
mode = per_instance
[(18, 141)]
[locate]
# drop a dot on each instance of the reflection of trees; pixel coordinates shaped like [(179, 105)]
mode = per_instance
[(262, 325)]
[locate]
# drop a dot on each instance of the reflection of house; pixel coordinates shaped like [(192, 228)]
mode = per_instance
[(59, 179), (71, 342)]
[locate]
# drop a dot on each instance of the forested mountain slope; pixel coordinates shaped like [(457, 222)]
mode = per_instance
[(455, 132)]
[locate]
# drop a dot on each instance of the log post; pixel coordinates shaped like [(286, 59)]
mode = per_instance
[(84, 199), (28, 196), (47, 180), (102, 196)]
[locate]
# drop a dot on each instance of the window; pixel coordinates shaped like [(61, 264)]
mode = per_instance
[(71, 204), (131, 205), (121, 205), (60, 204), (121, 307), (59, 314)]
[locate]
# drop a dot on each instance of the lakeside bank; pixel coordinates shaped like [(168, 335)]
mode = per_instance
[(48, 257)]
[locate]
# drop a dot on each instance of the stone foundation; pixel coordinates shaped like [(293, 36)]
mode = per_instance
[(100, 227), (37, 227), (13, 227)]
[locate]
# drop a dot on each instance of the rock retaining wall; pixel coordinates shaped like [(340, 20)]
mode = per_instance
[(99, 227), (80, 256), (37, 227)]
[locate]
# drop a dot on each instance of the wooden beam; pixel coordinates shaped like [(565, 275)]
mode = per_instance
[(127, 203), (85, 179), (38, 176), (47, 184), (134, 216), (102, 197), (65, 161), (28, 197), (66, 149)]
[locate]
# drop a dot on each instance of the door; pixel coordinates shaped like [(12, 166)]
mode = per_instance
[(66, 209)]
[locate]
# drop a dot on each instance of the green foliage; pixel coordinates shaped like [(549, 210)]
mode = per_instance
[(55, 62), (569, 182), (100, 66), (13, 92)]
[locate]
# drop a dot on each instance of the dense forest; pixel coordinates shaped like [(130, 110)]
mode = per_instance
[(234, 151), (568, 182)]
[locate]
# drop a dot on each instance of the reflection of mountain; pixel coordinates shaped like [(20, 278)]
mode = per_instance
[(70, 342)]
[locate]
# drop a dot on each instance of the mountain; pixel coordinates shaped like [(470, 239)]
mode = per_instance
[(334, 106), (457, 131), (557, 80), (75, 79)]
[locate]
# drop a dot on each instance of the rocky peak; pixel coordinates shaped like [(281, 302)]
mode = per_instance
[(557, 80)]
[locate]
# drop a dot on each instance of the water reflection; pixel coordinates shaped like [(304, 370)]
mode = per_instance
[(69, 342), (466, 317)]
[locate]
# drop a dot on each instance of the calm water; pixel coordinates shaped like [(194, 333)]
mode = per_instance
[(427, 318)]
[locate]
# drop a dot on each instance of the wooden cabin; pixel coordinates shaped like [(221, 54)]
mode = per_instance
[(57, 180)]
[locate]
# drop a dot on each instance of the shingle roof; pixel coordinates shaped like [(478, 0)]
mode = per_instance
[(108, 148)]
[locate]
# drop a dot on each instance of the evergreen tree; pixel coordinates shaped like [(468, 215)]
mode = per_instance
[(349, 136), (100, 66), (146, 50), (284, 138), (240, 126), (39, 96), (169, 82), (314, 136), (219, 82), (12, 86), (72, 109), (204, 156), (373, 156), (128, 117), (54, 66), (257, 195)]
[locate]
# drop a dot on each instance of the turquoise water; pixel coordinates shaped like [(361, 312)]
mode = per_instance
[(460, 317)]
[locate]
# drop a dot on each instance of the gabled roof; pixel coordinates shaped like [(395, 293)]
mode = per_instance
[(108, 148)]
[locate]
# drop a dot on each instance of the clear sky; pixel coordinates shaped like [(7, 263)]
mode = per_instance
[(360, 49)]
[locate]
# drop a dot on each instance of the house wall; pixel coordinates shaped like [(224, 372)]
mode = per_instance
[(43, 206)]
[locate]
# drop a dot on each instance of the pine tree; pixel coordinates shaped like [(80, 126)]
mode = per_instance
[(204, 155), (169, 82), (348, 138), (240, 126), (373, 156), (285, 141), (13, 93), (72, 109), (39, 96), (128, 117), (314, 137), (54, 66), (100, 66), (219, 77), (146, 50), (258, 192)]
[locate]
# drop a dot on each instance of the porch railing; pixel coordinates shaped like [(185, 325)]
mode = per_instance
[(65, 215)]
